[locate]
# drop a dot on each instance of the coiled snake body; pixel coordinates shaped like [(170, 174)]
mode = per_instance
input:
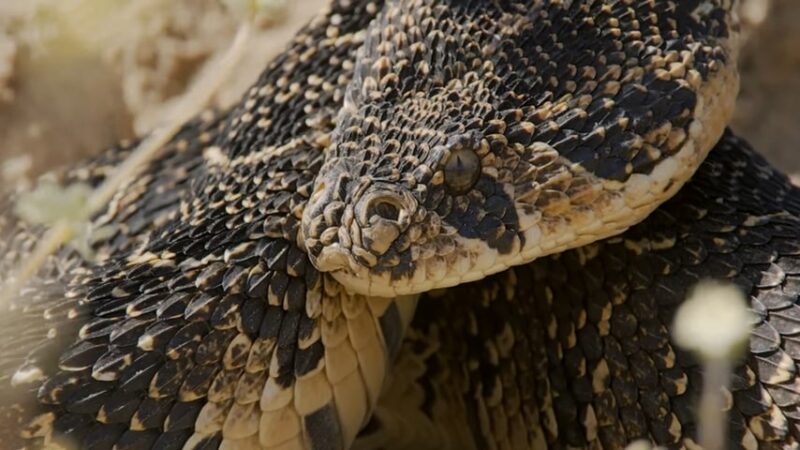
[(259, 288)]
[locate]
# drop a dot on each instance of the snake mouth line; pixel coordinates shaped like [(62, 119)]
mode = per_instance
[(381, 285), (470, 261), (336, 259)]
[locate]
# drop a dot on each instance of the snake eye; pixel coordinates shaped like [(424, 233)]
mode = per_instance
[(462, 170)]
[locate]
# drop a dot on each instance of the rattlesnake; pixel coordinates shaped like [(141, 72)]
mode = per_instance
[(263, 272)]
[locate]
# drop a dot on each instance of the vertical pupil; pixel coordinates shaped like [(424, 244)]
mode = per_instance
[(461, 171)]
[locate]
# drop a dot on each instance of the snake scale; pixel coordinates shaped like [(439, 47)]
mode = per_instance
[(275, 279)]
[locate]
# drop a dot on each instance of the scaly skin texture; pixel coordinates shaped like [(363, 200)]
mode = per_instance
[(204, 323), (577, 118), (574, 351)]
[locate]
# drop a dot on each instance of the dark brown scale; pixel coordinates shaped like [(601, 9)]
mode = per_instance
[(182, 416), (81, 356), (226, 314), (88, 398), (185, 341), (114, 361), (125, 334), (151, 412), (168, 379), (138, 375), (120, 406), (136, 440)]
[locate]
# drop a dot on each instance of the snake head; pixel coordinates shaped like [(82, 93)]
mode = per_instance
[(396, 224), (478, 135)]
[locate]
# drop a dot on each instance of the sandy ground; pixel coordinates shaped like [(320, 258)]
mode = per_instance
[(79, 75), (768, 113), (76, 77)]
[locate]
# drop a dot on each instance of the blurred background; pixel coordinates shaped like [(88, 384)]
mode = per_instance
[(78, 75)]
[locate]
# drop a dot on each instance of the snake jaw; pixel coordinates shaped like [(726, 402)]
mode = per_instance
[(466, 261)]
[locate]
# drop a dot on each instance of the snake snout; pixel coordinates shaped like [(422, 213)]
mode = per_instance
[(383, 213)]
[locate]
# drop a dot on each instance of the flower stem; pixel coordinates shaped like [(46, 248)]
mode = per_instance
[(713, 418)]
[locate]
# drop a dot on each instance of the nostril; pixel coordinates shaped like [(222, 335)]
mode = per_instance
[(385, 203), (385, 209)]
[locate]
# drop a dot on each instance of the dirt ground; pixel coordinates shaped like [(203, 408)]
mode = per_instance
[(768, 113), (78, 75)]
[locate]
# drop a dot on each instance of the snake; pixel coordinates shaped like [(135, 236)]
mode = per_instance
[(430, 224)]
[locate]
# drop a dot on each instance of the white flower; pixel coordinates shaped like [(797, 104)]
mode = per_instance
[(639, 445), (714, 322)]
